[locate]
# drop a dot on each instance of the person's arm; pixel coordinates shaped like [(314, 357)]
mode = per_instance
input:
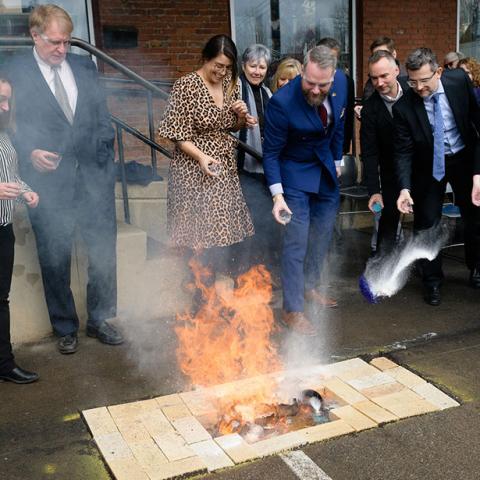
[(369, 148)]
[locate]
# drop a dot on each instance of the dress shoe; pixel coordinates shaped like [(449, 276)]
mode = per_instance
[(475, 278), (68, 344), (19, 375), (322, 300), (297, 322), (432, 296), (105, 333)]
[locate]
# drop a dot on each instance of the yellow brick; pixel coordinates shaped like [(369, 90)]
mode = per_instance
[(132, 409), (174, 412), (383, 363), (343, 391), (353, 417), (381, 390), (173, 446), (113, 446), (278, 444), (155, 422), (99, 421), (199, 402), (405, 404), (168, 400), (404, 376), (326, 430), (212, 455), (132, 429), (236, 448), (148, 454), (177, 469), (127, 469), (191, 430), (376, 413), (358, 372)]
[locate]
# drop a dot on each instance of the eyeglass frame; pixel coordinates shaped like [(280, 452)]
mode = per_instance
[(220, 68), (55, 43), (422, 81)]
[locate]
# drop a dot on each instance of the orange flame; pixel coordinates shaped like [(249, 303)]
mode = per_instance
[(228, 339)]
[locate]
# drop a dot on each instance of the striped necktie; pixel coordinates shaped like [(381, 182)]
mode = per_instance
[(61, 95)]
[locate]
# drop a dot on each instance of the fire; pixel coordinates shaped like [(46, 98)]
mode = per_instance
[(228, 338)]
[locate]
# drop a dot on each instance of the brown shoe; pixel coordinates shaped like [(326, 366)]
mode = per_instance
[(297, 322), (323, 300)]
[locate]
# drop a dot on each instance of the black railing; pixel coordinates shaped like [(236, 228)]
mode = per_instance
[(152, 88)]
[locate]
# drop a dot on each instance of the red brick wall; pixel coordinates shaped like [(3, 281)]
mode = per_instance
[(411, 23)]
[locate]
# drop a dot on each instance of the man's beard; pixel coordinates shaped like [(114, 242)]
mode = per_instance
[(316, 100)]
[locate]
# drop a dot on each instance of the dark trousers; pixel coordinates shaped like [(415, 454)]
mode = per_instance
[(7, 242), (54, 232), (388, 224), (306, 240), (428, 195)]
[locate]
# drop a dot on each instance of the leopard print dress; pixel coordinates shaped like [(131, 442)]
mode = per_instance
[(203, 211)]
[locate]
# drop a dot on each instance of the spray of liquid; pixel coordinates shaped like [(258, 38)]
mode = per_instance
[(384, 276)]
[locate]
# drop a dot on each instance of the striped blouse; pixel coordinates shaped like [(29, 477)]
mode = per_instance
[(9, 173)]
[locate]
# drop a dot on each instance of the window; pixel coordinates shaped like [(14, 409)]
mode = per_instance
[(469, 28), (291, 27), (14, 19)]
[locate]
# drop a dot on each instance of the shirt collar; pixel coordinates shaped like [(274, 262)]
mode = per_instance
[(394, 99)]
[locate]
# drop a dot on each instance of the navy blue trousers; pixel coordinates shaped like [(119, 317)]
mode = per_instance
[(307, 239)]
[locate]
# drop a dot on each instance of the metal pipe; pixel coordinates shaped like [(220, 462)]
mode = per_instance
[(121, 159)]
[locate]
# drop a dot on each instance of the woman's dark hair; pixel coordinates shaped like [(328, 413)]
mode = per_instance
[(222, 44), (8, 121)]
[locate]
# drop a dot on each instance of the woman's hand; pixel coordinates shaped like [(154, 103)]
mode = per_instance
[(10, 190), (250, 121), (31, 199), (209, 165), (240, 109)]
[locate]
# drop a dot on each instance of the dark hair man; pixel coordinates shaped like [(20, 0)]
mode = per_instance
[(303, 141), (65, 142), (376, 138), (436, 142)]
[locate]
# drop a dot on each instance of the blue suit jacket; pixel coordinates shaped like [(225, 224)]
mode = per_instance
[(42, 124), (297, 149)]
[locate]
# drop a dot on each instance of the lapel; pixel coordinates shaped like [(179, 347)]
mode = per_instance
[(455, 105), (384, 116), (41, 86), (419, 108), (81, 82)]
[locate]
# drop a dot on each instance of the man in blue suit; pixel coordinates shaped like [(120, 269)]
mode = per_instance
[(304, 128), (64, 140)]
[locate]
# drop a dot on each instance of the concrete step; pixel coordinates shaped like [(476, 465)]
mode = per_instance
[(29, 316)]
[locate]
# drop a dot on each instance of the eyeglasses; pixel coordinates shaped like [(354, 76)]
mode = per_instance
[(422, 81), (56, 43), (319, 85), (222, 68)]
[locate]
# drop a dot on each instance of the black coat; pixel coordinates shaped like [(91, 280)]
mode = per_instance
[(87, 145), (413, 132), (377, 142)]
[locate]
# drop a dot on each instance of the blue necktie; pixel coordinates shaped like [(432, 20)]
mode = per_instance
[(438, 140)]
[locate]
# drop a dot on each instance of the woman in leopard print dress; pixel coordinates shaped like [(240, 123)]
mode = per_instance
[(205, 206)]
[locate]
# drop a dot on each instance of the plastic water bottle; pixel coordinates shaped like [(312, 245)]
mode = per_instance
[(377, 207)]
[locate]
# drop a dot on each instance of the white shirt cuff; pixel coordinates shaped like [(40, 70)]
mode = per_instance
[(339, 163), (276, 188)]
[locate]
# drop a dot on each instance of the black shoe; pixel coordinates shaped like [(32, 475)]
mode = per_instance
[(475, 278), (19, 375), (432, 296), (68, 344), (105, 333)]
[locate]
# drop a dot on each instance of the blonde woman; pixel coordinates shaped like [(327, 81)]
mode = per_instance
[(287, 70)]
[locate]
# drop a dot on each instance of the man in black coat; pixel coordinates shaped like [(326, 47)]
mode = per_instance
[(436, 141), (65, 141), (376, 138)]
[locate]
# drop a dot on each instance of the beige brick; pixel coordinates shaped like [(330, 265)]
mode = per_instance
[(362, 383), (148, 454), (174, 412), (404, 376), (99, 421), (212, 455), (132, 429), (343, 391), (236, 448), (435, 396), (127, 469), (363, 371), (155, 422), (191, 430), (376, 413), (341, 367), (405, 404), (381, 390), (199, 402), (177, 469), (280, 443), (353, 417), (326, 430), (168, 400), (132, 409), (383, 363), (173, 446), (113, 446)]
